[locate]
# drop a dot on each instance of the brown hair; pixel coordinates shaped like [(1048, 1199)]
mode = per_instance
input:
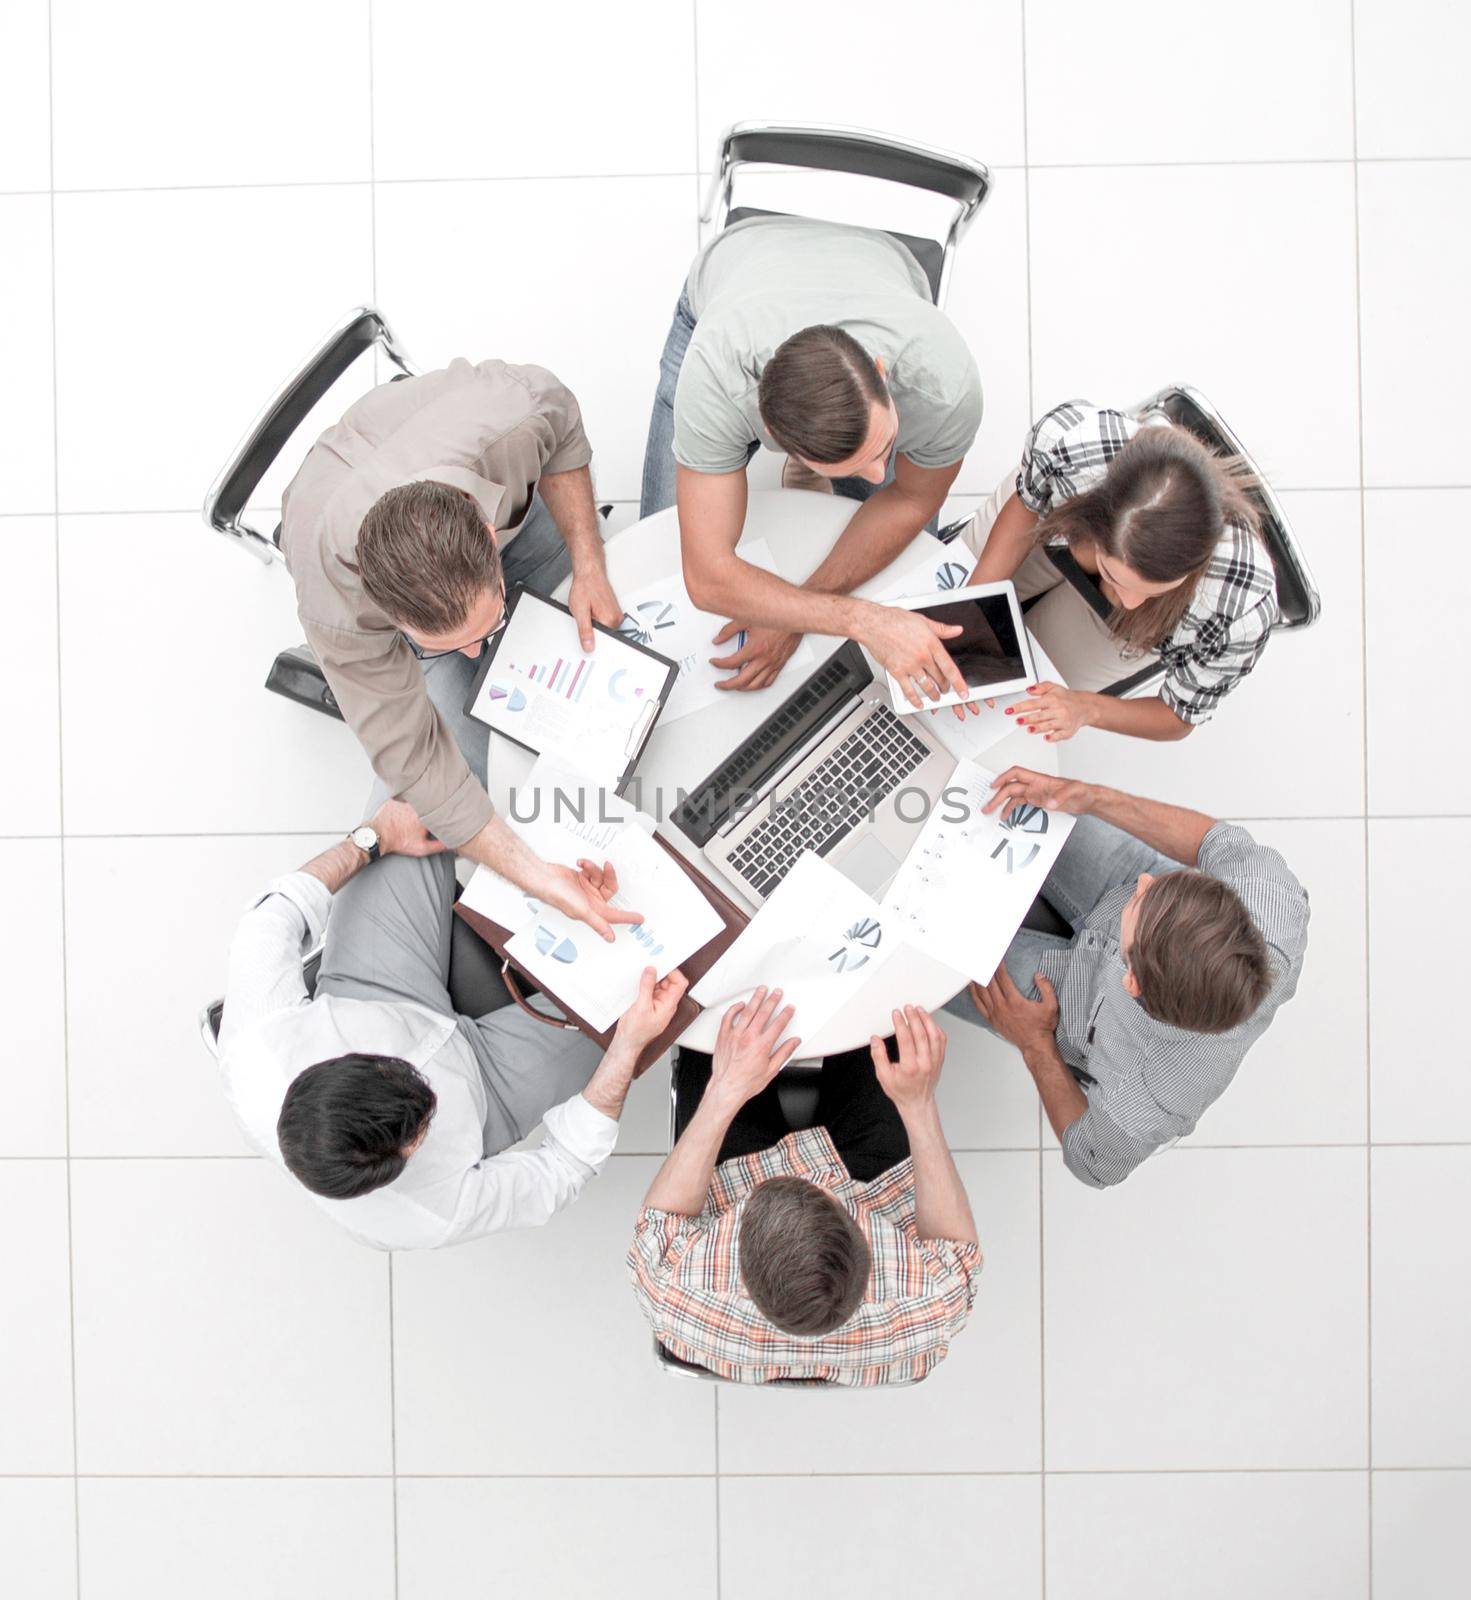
[(816, 393), (1198, 958), (804, 1260), (1161, 509), (426, 554)]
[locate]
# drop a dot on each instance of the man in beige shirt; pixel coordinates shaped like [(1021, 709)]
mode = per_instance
[(404, 529)]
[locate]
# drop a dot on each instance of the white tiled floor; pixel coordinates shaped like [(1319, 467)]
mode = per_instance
[(1241, 1373)]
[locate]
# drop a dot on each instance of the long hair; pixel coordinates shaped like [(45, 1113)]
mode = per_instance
[(1160, 509)]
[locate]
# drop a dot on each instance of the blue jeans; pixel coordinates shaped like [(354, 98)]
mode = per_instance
[(1096, 858), (659, 462)]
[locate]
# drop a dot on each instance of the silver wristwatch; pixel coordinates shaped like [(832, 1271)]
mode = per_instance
[(365, 837)]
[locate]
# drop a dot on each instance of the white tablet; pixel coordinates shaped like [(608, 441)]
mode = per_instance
[(993, 652)]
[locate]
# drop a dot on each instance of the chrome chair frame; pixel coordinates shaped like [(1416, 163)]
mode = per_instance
[(1298, 600), (862, 152), (359, 331)]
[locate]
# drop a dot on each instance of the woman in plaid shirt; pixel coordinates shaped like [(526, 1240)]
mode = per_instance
[(1168, 529)]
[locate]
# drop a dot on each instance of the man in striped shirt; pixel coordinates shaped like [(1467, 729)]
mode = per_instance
[(789, 1259), (1187, 937)]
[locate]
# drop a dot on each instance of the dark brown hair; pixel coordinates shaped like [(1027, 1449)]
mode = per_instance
[(816, 394), (1160, 509), (804, 1260), (426, 555), (345, 1123), (1198, 958)]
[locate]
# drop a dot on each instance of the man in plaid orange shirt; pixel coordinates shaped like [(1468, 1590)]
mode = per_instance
[(846, 1253)]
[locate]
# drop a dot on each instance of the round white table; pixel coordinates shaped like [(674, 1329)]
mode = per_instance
[(799, 528)]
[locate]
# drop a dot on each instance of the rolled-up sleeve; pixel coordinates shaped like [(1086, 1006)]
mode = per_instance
[(526, 1188), (1220, 657), (953, 1268), (660, 1240), (380, 690), (556, 406), (1096, 1150)]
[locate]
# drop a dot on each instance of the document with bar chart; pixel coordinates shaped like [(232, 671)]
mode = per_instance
[(593, 710)]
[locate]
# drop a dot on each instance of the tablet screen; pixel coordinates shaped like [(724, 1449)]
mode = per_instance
[(988, 651)]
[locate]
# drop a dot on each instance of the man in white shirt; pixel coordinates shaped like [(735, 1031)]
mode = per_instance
[(374, 1094)]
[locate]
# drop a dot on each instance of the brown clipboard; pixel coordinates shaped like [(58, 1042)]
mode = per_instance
[(694, 967)]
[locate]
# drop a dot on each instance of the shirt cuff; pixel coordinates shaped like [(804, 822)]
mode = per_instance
[(457, 819), (308, 894), (584, 1131), (573, 452)]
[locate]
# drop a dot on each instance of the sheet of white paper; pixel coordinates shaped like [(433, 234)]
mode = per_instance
[(933, 573), (662, 616), (818, 938), (967, 882), (562, 819), (586, 708)]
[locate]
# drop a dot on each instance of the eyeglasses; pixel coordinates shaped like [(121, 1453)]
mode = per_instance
[(436, 655)]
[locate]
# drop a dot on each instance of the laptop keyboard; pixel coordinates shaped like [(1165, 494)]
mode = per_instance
[(832, 800)]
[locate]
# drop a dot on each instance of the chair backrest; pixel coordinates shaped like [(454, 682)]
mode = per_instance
[(213, 1014), (224, 506), (1298, 600), (862, 153)]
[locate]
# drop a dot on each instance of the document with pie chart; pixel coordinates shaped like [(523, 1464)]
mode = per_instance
[(563, 818), (662, 617), (969, 879), (592, 710)]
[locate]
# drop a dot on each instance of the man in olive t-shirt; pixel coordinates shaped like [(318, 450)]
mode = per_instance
[(820, 340)]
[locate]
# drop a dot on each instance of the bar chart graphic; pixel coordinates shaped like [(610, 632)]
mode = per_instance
[(564, 677)]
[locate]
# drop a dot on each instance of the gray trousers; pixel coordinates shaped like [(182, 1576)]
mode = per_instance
[(1096, 858), (388, 937)]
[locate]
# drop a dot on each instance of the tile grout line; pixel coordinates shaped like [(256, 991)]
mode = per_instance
[(1041, 1169), (700, 173), (700, 1477), (715, 1394), (373, 290), (71, 1270), (1368, 886), (632, 500)]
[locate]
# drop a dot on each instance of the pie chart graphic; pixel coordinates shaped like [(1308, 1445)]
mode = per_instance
[(951, 575), (549, 944), (1025, 819), (618, 688), (646, 619), (513, 697)]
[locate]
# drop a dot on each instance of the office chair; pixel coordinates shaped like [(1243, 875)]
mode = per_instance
[(864, 154), (475, 983), (295, 672), (1298, 601)]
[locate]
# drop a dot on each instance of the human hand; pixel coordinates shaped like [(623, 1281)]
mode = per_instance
[(584, 895), (910, 1080), (400, 833), (1022, 1022), (1055, 712), (591, 599), (909, 645), (1022, 786), (653, 1010), (747, 1052), (758, 661)]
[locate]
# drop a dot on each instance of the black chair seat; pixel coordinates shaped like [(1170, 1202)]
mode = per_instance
[(928, 252)]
